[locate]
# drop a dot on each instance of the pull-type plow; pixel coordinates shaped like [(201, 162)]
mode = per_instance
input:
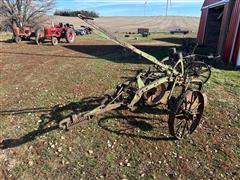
[(172, 85)]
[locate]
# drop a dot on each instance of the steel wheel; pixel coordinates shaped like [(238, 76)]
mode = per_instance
[(39, 36), (70, 36), (187, 114), (54, 41), (199, 70)]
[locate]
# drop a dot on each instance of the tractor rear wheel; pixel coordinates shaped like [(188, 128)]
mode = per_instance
[(54, 41), (187, 114), (18, 39), (70, 36), (39, 35)]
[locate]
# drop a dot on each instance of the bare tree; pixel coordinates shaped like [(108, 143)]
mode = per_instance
[(24, 12)]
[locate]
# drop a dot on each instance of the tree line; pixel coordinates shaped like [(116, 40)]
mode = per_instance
[(75, 13)]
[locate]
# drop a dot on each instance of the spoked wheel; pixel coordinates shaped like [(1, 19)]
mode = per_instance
[(39, 36), (199, 70), (18, 39), (54, 41), (70, 36), (187, 114)]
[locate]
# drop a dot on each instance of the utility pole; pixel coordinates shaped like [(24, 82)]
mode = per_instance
[(167, 5), (145, 7)]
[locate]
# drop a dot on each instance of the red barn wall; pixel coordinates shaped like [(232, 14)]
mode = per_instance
[(223, 30), (229, 38), (233, 31), (202, 27), (203, 20)]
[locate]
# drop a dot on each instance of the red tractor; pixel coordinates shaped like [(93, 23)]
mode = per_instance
[(24, 33), (55, 34)]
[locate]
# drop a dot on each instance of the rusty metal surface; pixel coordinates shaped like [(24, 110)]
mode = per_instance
[(187, 114)]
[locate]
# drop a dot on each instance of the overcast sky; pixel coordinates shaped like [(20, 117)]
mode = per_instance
[(134, 7)]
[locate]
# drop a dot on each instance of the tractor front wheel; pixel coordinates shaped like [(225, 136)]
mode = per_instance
[(18, 39), (54, 41), (70, 36)]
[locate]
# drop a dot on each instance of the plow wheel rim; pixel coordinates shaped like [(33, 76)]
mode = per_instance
[(187, 114)]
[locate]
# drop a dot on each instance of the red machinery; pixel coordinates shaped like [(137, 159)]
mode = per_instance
[(22, 34), (55, 34)]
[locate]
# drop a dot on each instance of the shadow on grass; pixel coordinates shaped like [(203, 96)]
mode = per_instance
[(118, 54), (113, 53), (134, 126), (52, 116), (175, 40), (49, 120)]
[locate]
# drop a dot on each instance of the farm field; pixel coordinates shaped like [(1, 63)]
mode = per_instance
[(131, 24), (41, 85)]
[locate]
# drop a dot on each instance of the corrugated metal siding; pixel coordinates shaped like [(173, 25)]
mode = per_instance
[(202, 27), (234, 22)]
